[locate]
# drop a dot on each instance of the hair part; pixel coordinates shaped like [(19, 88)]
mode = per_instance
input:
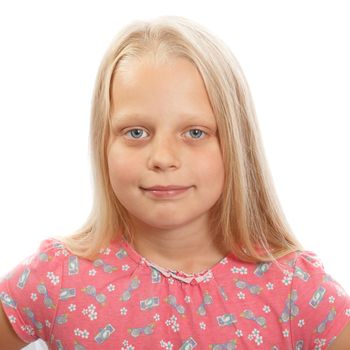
[(247, 218)]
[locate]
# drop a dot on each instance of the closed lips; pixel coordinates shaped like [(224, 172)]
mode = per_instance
[(166, 188)]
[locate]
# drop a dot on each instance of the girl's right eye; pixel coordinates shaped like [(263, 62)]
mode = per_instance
[(135, 135)]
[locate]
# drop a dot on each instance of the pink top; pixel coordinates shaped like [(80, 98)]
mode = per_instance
[(123, 301)]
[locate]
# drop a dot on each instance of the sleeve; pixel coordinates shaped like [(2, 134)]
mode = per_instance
[(319, 306), (29, 293)]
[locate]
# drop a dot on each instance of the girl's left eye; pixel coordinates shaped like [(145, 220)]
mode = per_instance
[(196, 133)]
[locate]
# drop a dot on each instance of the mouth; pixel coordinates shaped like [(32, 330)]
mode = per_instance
[(165, 191)]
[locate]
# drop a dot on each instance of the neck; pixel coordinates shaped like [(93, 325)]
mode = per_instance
[(189, 249)]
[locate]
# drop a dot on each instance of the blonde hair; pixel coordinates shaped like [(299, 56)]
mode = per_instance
[(247, 217)]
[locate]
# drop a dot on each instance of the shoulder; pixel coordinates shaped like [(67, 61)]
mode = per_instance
[(319, 305)]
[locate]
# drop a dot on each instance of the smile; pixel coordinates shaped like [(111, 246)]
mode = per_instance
[(165, 193)]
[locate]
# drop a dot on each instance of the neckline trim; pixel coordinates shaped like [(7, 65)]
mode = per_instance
[(191, 278)]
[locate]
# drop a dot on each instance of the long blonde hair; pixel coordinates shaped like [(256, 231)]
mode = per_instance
[(247, 217)]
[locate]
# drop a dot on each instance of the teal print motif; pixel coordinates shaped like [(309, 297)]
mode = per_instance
[(189, 344), (317, 297), (253, 288), (134, 284), (330, 317), (67, 293), (7, 300), (73, 265), (106, 267), (149, 303), (171, 300), (91, 290), (147, 330), (249, 315), (48, 302), (23, 278), (290, 307), (226, 320), (104, 334), (231, 345), (207, 300), (38, 325), (262, 268)]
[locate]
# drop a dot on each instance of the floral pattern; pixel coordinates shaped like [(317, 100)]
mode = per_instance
[(121, 300)]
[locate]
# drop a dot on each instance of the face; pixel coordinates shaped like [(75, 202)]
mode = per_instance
[(163, 133)]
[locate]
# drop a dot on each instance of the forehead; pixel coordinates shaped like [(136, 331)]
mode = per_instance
[(143, 88)]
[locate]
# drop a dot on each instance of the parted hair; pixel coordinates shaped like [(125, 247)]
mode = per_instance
[(247, 218)]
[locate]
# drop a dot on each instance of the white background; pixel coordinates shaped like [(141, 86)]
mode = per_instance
[(295, 55)]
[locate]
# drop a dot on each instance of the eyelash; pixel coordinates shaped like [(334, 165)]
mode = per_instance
[(200, 138)]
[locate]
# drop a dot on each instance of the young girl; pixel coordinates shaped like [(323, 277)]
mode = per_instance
[(186, 246)]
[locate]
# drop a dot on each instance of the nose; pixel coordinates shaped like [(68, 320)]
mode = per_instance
[(164, 153)]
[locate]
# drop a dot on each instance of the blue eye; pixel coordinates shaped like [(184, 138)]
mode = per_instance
[(135, 134), (197, 133)]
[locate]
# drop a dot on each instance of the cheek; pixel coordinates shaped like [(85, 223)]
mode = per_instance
[(121, 165)]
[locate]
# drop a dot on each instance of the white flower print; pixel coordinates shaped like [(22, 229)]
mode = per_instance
[(12, 319), (208, 277), (266, 309), (239, 333), (171, 280), (241, 295), (125, 267), (53, 278), (127, 346), (72, 307), (175, 327), (173, 318), (91, 312), (187, 299), (202, 325), (81, 333), (224, 261), (123, 311), (84, 334), (105, 251), (319, 343), (241, 270), (92, 272), (34, 296), (258, 339), (28, 329), (347, 312), (47, 323), (255, 335), (172, 321), (269, 286), (255, 332), (156, 317), (285, 333), (331, 299), (301, 323), (167, 345), (111, 287), (287, 279)]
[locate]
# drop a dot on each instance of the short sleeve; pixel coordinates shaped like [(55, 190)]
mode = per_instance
[(29, 293), (319, 306)]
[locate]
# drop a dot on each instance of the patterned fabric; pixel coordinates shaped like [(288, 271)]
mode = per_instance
[(123, 301)]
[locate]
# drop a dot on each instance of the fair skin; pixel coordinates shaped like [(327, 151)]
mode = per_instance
[(164, 145), (173, 233)]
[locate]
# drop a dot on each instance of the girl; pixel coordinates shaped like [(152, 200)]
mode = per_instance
[(186, 246)]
